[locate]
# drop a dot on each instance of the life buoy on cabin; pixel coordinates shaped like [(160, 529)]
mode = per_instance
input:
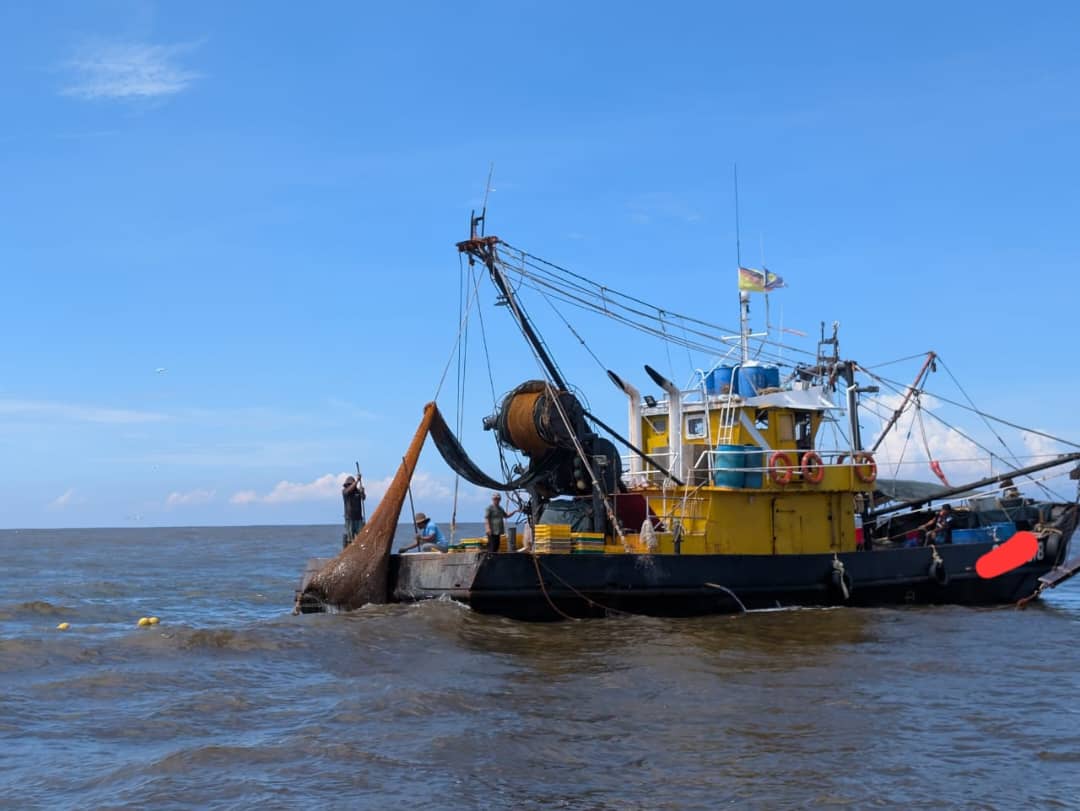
[(813, 468), (781, 467), (865, 467)]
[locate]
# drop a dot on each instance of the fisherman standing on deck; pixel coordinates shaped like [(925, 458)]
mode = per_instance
[(940, 526), (428, 535), (495, 522), (352, 493)]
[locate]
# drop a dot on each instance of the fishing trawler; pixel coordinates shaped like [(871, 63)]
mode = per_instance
[(722, 497)]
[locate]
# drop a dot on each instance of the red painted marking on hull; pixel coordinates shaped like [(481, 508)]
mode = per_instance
[(1012, 554)]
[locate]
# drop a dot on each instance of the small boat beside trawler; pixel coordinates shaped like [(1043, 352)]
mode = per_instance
[(724, 496)]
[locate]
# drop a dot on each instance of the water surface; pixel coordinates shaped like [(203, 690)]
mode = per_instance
[(232, 702)]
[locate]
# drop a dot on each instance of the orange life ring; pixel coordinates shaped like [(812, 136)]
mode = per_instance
[(780, 467), (813, 468), (865, 467)]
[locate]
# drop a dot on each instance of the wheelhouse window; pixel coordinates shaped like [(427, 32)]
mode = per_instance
[(696, 427)]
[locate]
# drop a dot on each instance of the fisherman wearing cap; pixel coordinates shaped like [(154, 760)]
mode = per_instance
[(352, 493), (495, 522), (940, 526), (428, 535)]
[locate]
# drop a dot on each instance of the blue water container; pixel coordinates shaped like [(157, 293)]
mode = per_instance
[(977, 535), (718, 381), (727, 460), (753, 457), (752, 378), (1002, 531)]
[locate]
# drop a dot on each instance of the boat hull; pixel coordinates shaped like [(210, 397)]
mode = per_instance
[(548, 587), (553, 586)]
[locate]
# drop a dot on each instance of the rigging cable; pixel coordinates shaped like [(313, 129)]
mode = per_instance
[(499, 265), (457, 340), (899, 386), (1008, 450), (543, 272), (491, 383)]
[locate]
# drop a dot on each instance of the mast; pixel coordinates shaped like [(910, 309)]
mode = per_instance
[(744, 296), (484, 249)]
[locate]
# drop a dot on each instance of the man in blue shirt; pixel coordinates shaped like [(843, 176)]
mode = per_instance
[(428, 535)]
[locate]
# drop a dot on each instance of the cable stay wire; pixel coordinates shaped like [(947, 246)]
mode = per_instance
[(967, 397), (897, 386), (541, 271), (715, 348), (960, 433), (503, 464)]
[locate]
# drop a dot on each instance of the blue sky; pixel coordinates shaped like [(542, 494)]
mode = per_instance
[(262, 200)]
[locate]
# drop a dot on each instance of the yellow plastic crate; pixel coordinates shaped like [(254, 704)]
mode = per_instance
[(552, 532)]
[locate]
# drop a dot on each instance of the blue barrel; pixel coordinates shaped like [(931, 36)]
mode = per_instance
[(753, 457), (727, 460), (718, 381), (752, 378)]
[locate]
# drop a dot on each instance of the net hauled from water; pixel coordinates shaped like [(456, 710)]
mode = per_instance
[(360, 573)]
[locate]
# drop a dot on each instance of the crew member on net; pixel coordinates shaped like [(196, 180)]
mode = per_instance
[(939, 528), (428, 535), (352, 493), (495, 522)]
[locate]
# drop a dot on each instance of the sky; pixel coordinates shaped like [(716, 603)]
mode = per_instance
[(228, 256)]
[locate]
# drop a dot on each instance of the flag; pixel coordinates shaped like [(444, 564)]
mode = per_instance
[(759, 281)]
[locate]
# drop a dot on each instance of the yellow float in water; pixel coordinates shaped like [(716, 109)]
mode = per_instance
[(63, 626), (154, 620), (144, 621)]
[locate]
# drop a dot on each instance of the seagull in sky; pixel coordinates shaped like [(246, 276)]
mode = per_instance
[(161, 370)]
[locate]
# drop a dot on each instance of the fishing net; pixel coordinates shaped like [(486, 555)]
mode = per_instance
[(359, 574), (454, 455)]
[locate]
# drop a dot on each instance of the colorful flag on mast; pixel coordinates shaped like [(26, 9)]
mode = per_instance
[(759, 281)]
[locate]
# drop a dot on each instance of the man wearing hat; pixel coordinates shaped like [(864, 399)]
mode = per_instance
[(495, 522), (428, 535), (939, 528), (352, 493)]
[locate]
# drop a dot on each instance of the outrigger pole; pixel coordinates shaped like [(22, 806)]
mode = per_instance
[(953, 491), (930, 363)]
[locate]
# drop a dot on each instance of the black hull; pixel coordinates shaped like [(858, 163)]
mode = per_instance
[(686, 586), (552, 587)]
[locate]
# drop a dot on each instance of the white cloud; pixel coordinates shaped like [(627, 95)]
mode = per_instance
[(1040, 448), (903, 455), (178, 499), (63, 500), (423, 485), (323, 488), (76, 412), (328, 487), (128, 71)]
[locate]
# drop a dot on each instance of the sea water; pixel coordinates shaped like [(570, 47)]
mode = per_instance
[(232, 702)]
